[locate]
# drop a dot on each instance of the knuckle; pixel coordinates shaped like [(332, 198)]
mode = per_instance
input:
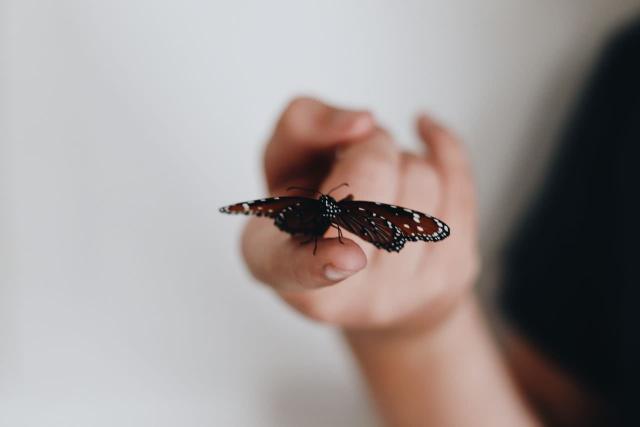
[(369, 162), (371, 166), (367, 179)]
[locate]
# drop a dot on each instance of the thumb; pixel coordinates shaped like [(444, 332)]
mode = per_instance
[(283, 263)]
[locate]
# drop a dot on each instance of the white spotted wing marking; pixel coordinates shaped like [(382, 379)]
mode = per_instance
[(374, 229), (414, 225), (270, 207)]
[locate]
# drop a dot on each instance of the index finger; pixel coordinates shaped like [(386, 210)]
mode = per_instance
[(308, 131)]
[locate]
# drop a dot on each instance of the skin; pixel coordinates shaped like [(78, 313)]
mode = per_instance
[(411, 319)]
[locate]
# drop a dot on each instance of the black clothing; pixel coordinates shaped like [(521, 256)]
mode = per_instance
[(573, 268)]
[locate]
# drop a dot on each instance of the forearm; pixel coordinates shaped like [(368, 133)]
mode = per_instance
[(451, 376)]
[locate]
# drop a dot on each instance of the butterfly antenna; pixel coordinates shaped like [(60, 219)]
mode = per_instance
[(304, 189), (344, 184)]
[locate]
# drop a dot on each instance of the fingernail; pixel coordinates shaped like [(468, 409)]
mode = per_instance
[(334, 274), (350, 121)]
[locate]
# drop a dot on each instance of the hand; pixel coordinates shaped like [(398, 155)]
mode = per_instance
[(355, 285)]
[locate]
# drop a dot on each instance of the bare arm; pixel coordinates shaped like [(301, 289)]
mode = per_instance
[(451, 376)]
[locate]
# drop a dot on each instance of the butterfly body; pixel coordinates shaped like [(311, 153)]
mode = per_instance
[(329, 207), (295, 223), (386, 226)]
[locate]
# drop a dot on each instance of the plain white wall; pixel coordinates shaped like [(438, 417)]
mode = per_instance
[(126, 124)]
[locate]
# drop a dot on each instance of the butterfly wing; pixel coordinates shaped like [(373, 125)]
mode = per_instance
[(294, 215), (413, 224), (370, 227)]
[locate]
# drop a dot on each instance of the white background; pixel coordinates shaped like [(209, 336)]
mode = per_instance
[(126, 124)]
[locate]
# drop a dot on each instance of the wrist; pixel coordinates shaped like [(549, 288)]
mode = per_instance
[(427, 324), (426, 376)]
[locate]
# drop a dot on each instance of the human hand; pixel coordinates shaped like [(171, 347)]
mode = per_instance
[(355, 285)]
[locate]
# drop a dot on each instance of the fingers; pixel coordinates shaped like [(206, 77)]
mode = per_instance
[(370, 167), (450, 159), (420, 185), (309, 122), (305, 135), (283, 263), (445, 150)]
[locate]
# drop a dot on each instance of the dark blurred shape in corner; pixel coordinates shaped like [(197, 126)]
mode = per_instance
[(572, 274)]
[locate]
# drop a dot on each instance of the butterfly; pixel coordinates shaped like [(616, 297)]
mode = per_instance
[(385, 226)]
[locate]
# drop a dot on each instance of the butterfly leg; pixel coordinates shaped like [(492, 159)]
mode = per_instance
[(307, 241), (315, 243), (339, 232)]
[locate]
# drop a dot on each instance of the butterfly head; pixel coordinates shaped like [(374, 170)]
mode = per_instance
[(329, 207)]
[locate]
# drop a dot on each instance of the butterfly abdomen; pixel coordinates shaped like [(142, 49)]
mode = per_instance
[(309, 226)]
